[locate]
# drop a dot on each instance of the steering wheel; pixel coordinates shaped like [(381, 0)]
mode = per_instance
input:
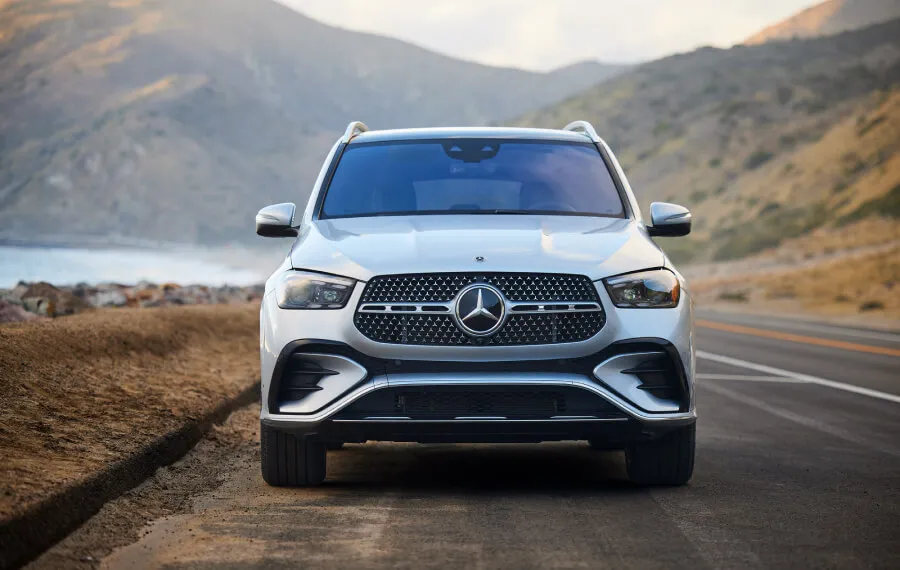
[(552, 205)]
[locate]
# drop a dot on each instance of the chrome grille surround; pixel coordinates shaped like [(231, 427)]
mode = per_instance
[(419, 309)]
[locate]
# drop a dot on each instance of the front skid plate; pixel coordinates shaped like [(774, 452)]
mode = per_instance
[(483, 431)]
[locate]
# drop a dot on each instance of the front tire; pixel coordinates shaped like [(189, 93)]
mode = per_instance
[(668, 460), (290, 461)]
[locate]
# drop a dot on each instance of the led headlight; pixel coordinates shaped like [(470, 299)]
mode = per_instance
[(305, 290), (657, 288)]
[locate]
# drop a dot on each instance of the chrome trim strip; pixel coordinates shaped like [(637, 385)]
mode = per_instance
[(572, 307), (477, 420), (480, 418), (576, 418), (467, 379), (418, 308), (392, 418)]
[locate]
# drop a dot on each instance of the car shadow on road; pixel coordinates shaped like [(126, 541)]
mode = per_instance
[(557, 467)]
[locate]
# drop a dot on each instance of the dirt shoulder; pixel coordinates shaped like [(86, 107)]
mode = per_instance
[(81, 393)]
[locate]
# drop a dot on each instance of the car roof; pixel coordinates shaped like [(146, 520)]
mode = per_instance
[(469, 132)]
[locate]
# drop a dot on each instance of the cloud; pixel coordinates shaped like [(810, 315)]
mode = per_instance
[(544, 34)]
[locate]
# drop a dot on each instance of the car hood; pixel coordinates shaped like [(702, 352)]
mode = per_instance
[(364, 247)]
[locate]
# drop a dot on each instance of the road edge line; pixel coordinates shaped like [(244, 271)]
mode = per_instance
[(27, 535), (798, 376)]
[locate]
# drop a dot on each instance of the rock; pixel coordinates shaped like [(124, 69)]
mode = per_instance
[(10, 297), (41, 306), (108, 298), (12, 313), (45, 299)]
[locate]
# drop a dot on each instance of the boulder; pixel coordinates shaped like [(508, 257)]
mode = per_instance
[(45, 299), (13, 313)]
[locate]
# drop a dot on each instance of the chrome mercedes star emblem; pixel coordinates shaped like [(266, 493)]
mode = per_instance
[(480, 310)]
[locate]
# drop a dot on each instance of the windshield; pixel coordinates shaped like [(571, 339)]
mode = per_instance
[(471, 176)]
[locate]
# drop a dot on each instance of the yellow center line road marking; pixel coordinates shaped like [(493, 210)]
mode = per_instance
[(830, 343), (797, 376)]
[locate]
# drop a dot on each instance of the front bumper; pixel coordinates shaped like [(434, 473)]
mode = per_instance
[(358, 397), (600, 370)]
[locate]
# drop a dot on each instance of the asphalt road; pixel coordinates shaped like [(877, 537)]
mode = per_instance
[(798, 466)]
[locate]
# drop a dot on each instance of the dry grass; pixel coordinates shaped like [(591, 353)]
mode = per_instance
[(83, 391), (863, 283)]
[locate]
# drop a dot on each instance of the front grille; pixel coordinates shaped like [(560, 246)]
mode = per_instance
[(441, 287), (437, 330), (528, 326), (454, 404)]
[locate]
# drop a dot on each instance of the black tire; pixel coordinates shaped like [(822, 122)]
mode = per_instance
[(668, 460), (334, 445), (289, 461)]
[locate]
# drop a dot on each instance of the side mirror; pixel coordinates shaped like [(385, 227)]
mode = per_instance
[(276, 221), (669, 220)]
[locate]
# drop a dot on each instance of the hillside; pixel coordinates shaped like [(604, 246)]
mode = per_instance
[(763, 143), (829, 17), (173, 120)]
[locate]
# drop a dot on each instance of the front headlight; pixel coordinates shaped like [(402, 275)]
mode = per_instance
[(305, 290), (656, 289)]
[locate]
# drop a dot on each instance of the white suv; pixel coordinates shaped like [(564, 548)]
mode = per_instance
[(475, 285)]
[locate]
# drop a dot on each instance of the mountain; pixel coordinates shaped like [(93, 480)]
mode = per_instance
[(830, 17), (764, 143), (176, 120)]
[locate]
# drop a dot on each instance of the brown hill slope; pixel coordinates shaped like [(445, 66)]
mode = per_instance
[(175, 120), (764, 143), (829, 17)]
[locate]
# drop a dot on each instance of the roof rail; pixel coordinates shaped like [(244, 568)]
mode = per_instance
[(354, 129), (583, 127)]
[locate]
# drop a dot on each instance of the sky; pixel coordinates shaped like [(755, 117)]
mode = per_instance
[(545, 34)]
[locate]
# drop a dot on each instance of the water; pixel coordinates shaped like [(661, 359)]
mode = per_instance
[(67, 266)]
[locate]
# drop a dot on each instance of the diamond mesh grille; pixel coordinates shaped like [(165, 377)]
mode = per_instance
[(442, 287), (441, 330)]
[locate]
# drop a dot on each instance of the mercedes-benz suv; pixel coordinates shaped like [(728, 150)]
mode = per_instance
[(475, 285)]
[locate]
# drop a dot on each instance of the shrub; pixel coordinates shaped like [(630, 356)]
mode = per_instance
[(787, 140), (784, 94), (715, 162), (887, 206), (734, 296), (862, 129), (871, 306), (757, 159), (661, 127), (769, 231), (699, 196), (769, 208), (841, 299)]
